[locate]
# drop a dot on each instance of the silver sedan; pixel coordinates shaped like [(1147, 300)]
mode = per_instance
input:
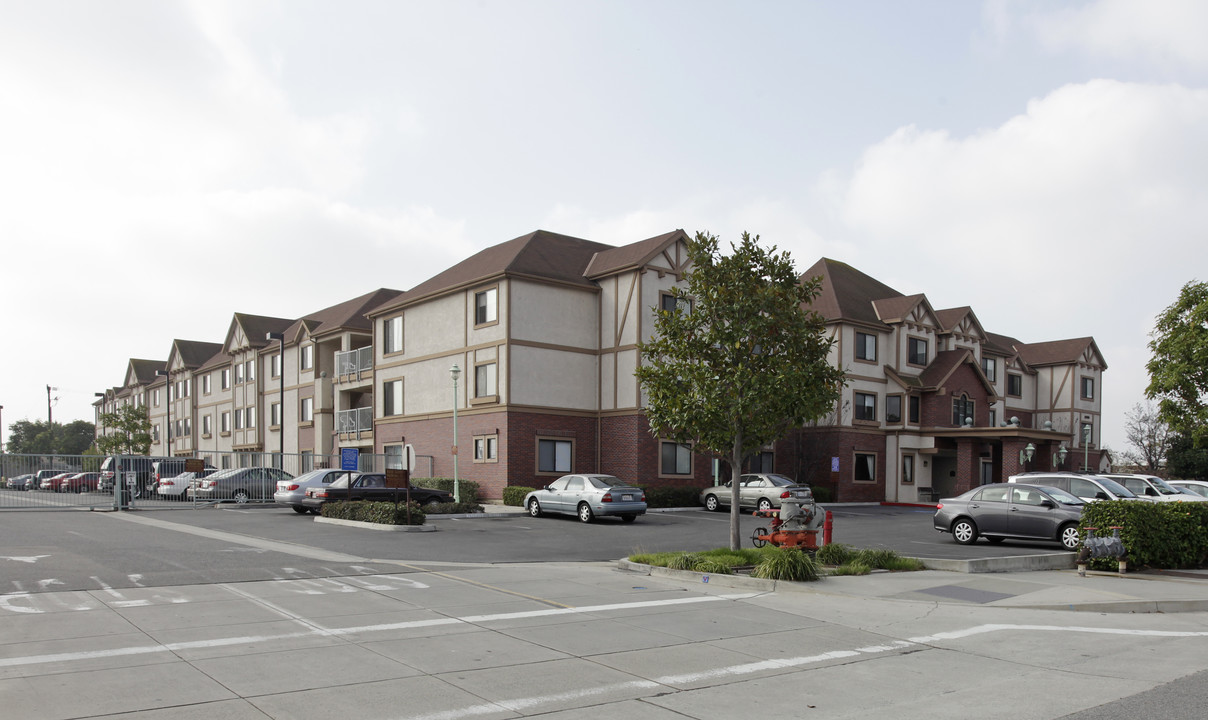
[(761, 491), (587, 496)]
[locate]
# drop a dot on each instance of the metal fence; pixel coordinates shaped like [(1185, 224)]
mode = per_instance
[(59, 482)]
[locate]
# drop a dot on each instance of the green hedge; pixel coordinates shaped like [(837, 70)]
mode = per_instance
[(383, 513), (1158, 535), (670, 497), (514, 494), (466, 489)]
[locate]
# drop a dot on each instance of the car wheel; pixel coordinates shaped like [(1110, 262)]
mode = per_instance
[(712, 504), (964, 531), (534, 508), (315, 511), (241, 496), (585, 513), (300, 510), (629, 518), (764, 504), (1068, 535)]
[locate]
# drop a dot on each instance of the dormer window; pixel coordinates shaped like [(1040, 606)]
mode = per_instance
[(916, 351)]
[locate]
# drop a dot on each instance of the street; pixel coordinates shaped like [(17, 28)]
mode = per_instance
[(262, 613)]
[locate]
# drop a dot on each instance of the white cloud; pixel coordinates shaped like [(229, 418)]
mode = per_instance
[(1164, 32)]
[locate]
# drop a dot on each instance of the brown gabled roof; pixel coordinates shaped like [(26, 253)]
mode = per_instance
[(894, 310), (217, 360), (1001, 344), (847, 293), (540, 254), (1058, 352), (144, 370), (936, 374), (256, 329), (348, 315), (632, 256), (194, 353)]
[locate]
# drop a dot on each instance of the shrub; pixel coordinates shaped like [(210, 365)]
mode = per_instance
[(683, 561), (835, 554), (786, 564), (383, 513), (514, 494), (705, 565), (823, 494), (467, 489), (1160, 535), (855, 567), (461, 508), (875, 557), (665, 497)]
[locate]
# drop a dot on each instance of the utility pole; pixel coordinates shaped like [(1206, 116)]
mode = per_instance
[(49, 415)]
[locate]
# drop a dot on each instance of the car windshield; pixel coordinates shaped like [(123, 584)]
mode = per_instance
[(1063, 497), (1116, 488), (780, 480), (1163, 487), (605, 481)]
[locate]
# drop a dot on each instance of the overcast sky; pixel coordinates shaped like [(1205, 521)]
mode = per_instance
[(164, 165)]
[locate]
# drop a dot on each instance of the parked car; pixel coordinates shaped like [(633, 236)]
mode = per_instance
[(51, 483), (1088, 487), (138, 470), (761, 491), (1011, 510), (588, 496), (240, 484), (21, 482), (1153, 487), (290, 493), (165, 469), (1197, 487), (79, 482), (369, 486), (178, 486)]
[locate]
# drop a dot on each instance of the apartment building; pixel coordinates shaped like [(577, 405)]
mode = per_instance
[(532, 344)]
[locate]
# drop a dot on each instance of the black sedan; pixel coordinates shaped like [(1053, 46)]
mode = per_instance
[(1011, 510), (370, 486)]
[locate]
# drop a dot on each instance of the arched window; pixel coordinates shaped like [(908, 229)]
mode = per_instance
[(962, 408)]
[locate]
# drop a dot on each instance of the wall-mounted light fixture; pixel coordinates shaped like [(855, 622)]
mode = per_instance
[(1026, 455)]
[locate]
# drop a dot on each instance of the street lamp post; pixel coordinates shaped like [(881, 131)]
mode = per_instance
[(167, 401), (280, 338), (455, 372), (1, 429)]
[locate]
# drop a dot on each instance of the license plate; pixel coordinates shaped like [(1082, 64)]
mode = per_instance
[(627, 498)]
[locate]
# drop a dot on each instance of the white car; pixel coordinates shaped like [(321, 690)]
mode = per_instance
[(1154, 488), (178, 486), (1088, 487), (1198, 487)]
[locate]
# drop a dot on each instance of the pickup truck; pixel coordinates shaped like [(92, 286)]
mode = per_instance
[(370, 486)]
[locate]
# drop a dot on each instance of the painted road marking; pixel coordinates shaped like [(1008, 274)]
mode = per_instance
[(31, 559)]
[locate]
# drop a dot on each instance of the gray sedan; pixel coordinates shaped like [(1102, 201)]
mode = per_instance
[(1012, 510), (240, 484), (291, 492), (587, 496)]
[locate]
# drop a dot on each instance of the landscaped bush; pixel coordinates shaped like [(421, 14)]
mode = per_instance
[(823, 494), (835, 554), (514, 494), (383, 513), (855, 567), (467, 489), (461, 508), (1159, 535), (668, 497)]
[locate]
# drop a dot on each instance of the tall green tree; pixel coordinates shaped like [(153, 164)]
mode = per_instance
[(742, 358), (40, 438), (126, 431), (1184, 460), (1178, 368)]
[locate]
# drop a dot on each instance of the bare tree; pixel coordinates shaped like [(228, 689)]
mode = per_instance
[(1148, 437)]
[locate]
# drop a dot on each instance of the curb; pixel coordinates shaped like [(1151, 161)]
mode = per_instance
[(376, 526)]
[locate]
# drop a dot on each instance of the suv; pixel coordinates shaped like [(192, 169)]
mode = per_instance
[(1087, 487), (1154, 488), (139, 465)]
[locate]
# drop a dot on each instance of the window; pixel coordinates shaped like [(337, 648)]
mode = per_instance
[(893, 408), (993, 494), (485, 306), (392, 335), (1088, 388), (866, 406), (239, 419), (866, 347), (486, 448), (188, 425), (865, 467), (962, 407), (1014, 385), (761, 462), (917, 352), (274, 414), (225, 425), (553, 456), (394, 457), (226, 379), (186, 384), (987, 472), (907, 469), (238, 373), (484, 380), (676, 459), (205, 384), (306, 410), (251, 417), (251, 371), (914, 409), (990, 368), (178, 431), (275, 366), (306, 357), (993, 418), (206, 425), (155, 433), (155, 398), (392, 398), (671, 303)]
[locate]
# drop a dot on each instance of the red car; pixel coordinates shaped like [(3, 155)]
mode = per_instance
[(79, 482), (53, 481)]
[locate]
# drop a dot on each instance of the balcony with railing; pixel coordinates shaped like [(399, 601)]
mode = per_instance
[(354, 365), (354, 422)]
